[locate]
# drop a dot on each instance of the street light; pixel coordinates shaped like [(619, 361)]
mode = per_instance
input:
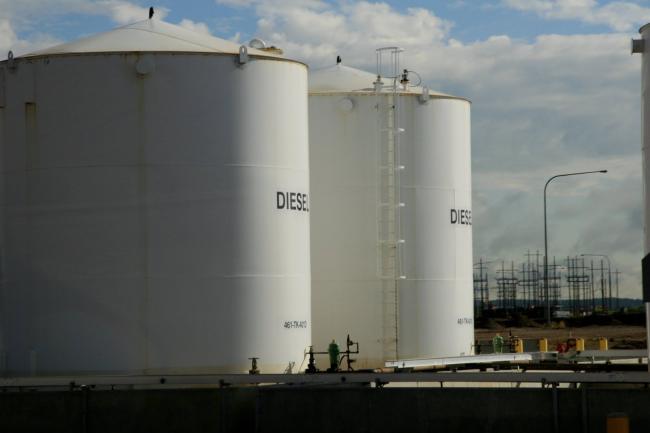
[(548, 299), (609, 274)]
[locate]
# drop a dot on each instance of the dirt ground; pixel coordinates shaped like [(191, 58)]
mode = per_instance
[(620, 337)]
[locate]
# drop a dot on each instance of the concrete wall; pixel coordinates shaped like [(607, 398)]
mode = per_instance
[(155, 411), (326, 409)]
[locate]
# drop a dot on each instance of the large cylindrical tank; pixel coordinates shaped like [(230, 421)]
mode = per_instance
[(391, 236), (155, 206), (643, 46)]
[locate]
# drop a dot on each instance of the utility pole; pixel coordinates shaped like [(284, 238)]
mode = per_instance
[(602, 284), (609, 278), (618, 299), (593, 289), (609, 281)]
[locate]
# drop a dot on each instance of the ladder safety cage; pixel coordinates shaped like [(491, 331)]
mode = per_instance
[(390, 242)]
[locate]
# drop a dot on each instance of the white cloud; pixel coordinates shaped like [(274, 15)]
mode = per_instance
[(558, 103), (236, 3), (27, 16), (266, 7), (195, 26), (619, 15), (124, 12), (9, 40), (354, 29), (26, 13)]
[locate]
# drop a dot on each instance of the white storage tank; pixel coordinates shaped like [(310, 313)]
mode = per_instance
[(642, 46), (391, 235), (155, 206)]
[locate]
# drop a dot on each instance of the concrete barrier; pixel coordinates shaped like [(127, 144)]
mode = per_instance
[(327, 409)]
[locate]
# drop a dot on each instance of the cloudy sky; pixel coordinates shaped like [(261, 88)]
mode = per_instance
[(553, 85)]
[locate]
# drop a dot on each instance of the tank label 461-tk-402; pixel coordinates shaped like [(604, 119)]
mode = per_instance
[(295, 324)]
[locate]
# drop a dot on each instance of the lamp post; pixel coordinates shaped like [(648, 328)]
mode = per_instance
[(609, 274), (548, 299)]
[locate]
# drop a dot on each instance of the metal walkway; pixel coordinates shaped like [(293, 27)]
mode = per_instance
[(224, 380)]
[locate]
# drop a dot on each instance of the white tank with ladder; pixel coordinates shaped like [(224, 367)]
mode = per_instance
[(391, 236)]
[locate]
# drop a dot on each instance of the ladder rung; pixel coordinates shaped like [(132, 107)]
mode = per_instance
[(391, 242)]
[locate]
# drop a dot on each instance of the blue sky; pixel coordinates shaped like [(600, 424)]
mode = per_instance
[(472, 20), (553, 85)]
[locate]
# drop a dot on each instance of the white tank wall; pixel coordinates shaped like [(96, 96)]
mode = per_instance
[(435, 300), (645, 118), (347, 295), (643, 46), (140, 224)]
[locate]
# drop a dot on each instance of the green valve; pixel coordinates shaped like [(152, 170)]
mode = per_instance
[(333, 351), (497, 344)]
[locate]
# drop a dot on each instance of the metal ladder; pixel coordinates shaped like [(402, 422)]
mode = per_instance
[(389, 204)]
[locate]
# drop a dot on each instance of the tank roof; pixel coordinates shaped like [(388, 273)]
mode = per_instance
[(344, 79), (149, 35), (340, 78), (644, 27)]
